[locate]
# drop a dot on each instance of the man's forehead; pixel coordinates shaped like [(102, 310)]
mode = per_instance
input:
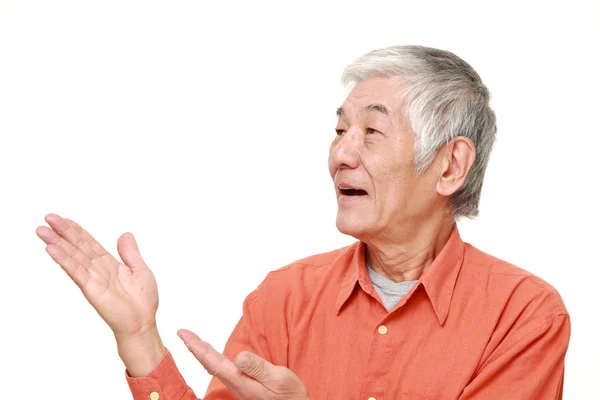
[(380, 95)]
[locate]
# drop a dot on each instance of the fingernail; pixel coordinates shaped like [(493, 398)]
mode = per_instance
[(244, 362)]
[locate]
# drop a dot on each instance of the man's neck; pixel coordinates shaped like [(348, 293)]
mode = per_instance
[(409, 254)]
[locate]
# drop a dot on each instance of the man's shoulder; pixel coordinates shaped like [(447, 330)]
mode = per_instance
[(305, 274), (314, 264), (495, 275)]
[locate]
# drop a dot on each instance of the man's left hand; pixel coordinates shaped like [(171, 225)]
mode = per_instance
[(249, 377)]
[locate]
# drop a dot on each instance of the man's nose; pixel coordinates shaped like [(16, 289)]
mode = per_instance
[(345, 153)]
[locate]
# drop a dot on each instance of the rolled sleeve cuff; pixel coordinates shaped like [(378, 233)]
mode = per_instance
[(163, 383)]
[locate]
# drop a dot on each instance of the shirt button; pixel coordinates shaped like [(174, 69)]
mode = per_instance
[(382, 330), (372, 398), (154, 396)]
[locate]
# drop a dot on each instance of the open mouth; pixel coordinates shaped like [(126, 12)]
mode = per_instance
[(353, 192)]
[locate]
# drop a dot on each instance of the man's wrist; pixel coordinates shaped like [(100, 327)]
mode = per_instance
[(141, 353)]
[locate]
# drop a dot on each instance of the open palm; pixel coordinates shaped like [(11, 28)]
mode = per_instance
[(124, 294)]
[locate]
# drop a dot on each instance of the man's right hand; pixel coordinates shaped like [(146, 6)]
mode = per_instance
[(124, 294)]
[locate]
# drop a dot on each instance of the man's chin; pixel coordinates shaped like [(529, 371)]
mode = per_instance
[(350, 227)]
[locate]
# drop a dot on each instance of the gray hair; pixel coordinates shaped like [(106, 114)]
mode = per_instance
[(443, 97)]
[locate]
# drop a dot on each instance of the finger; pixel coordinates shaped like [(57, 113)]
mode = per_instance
[(49, 237), (77, 272), (129, 252), (256, 367), (217, 364), (96, 247), (71, 235), (214, 362)]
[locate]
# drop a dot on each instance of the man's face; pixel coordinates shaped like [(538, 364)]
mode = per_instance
[(371, 161)]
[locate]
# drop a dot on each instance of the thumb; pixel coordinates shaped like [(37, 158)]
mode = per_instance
[(254, 366), (129, 251)]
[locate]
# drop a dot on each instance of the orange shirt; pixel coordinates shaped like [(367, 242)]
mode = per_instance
[(472, 327)]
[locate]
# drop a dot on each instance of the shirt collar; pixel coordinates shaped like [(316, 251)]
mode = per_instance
[(439, 278)]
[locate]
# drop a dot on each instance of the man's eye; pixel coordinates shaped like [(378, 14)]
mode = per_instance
[(371, 130), (339, 132)]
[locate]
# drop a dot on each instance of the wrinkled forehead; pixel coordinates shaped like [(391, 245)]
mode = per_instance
[(376, 95)]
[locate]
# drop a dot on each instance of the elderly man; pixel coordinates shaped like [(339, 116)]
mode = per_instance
[(409, 311)]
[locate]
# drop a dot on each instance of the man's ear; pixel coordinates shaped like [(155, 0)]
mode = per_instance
[(458, 157)]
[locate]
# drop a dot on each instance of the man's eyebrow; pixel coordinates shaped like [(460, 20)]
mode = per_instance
[(377, 107), (368, 108)]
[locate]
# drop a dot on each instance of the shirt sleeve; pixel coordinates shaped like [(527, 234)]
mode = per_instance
[(531, 366), (248, 335), (164, 383)]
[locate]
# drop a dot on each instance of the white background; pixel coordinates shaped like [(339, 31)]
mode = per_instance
[(203, 128)]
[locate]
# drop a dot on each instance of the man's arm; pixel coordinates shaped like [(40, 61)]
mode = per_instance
[(167, 382), (530, 366), (233, 379), (248, 335), (125, 295)]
